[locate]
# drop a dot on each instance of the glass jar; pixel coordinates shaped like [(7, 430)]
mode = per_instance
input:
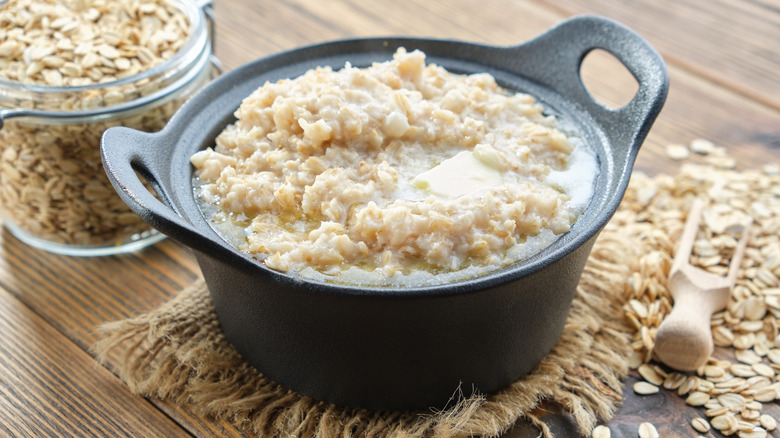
[(55, 194)]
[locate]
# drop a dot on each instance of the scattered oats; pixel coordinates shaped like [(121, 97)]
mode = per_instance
[(731, 393), (702, 146), (732, 384), (734, 402), (639, 309), (754, 308), (649, 373), (722, 336), (763, 369), (750, 326), (712, 403), (725, 422), (635, 359), (762, 345), (767, 422), (705, 385), (758, 382), (731, 430), (753, 432), (742, 370), (674, 380), (601, 432), (749, 414), (721, 162), (713, 371), (771, 169), (747, 356), (697, 398), (645, 388), (716, 411), (647, 342), (677, 152), (744, 341), (660, 371), (772, 299), (700, 424), (765, 395), (647, 430), (691, 384), (745, 426), (765, 275)]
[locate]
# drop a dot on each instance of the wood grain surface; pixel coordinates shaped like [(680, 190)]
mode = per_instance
[(723, 57), (52, 387)]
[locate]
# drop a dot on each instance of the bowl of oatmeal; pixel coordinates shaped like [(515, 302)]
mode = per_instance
[(397, 174), (381, 222)]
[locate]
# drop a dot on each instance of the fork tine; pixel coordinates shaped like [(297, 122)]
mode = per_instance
[(736, 259), (682, 256)]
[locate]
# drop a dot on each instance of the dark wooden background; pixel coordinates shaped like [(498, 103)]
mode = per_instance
[(724, 62)]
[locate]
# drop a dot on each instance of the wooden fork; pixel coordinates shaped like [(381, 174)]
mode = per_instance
[(684, 338)]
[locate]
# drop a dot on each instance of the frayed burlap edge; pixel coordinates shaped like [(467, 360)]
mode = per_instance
[(178, 352)]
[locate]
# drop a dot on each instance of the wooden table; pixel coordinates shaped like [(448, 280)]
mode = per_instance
[(724, 61)]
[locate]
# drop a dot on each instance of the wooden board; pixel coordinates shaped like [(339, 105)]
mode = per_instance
[(731, 43)]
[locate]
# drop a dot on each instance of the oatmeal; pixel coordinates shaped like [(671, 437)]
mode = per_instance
[(397, 172)]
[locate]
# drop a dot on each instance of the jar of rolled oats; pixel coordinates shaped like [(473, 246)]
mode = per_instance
[(68, 71)]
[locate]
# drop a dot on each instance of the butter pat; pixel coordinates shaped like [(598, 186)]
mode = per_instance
[(464, 173)]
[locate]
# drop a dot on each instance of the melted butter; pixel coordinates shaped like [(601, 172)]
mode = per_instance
[(462, 174)]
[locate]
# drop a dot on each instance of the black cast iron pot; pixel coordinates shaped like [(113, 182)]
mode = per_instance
[(394, 347)]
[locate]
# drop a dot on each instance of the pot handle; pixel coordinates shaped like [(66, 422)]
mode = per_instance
[(126, 153), (555, 57)]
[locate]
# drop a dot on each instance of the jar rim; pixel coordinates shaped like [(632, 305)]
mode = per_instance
[(161, 96), (198, 38)]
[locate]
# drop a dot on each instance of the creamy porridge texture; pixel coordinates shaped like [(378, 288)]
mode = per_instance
[(398, 172)]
